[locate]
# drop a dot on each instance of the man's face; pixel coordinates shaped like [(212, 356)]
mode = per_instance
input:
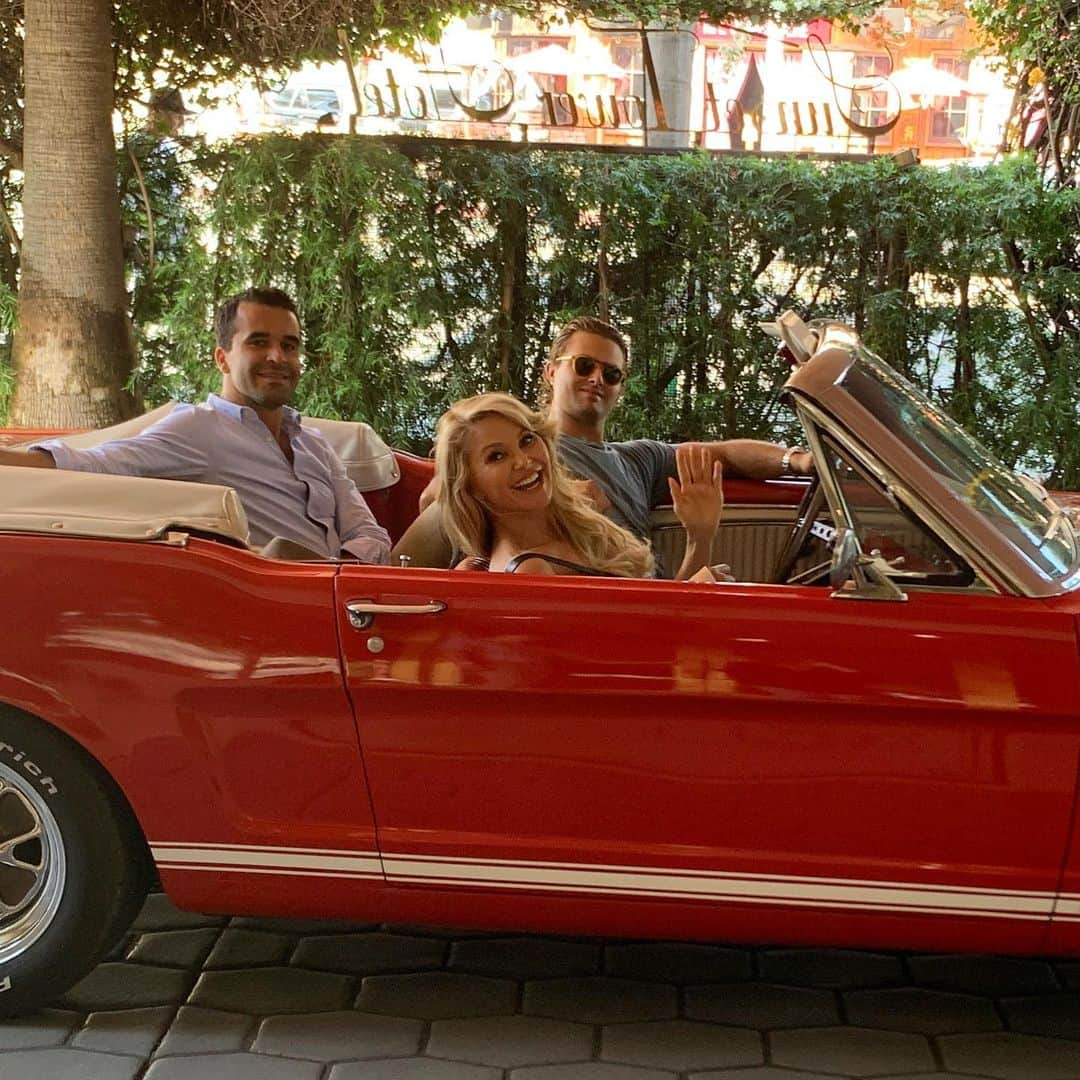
[(589, 398), (261, 366)]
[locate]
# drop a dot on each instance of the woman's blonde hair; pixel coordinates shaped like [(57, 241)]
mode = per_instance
[(602, 543)]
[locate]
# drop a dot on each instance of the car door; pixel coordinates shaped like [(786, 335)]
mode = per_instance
[(768, 746)]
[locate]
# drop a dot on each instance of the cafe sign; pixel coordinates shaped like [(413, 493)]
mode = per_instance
[(501, 96)]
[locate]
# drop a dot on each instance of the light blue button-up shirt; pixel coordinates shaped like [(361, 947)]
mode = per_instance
[(311, 501)]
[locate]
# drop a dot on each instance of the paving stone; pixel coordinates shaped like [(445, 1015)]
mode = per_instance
[(1006, 1056), (677, 963), (760, 1005), (509, 1041), (369, 954), (50, 1027), (851, 1051), (413, 1068), (525, 958), (930, 1076), (173, 948), (67, 1064), (249, 948), (300, 927), (260, 991), (338, 1036), (600, 1000), (1055, 1015), (767, 1073), (589, 1070), (158, 913), (991, 976), (835, 969), (231, 1067), (927, 1012), (129, 1031), (680, 1045), (205, 1031), (120, 986), (449, 933), (437, 995)]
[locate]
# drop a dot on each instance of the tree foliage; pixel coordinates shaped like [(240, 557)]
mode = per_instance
[(1038, 40), (399, 257)]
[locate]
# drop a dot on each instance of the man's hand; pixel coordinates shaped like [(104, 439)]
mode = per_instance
[(698, 494), (593, 493)]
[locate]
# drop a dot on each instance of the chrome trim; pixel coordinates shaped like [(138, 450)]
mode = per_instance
[(924, 511)]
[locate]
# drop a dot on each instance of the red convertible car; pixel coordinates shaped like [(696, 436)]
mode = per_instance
[(873, 738)]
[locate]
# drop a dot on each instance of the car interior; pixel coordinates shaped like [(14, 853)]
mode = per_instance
[(758, 539)]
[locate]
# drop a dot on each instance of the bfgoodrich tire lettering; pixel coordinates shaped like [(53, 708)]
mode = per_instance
[(67, 871)]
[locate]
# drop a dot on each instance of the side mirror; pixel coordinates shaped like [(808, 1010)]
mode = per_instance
[(856, 576)]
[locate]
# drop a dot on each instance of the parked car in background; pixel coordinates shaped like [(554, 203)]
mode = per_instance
[(871, 739)]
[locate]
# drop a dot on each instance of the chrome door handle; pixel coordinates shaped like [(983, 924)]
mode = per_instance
[(362, 612)]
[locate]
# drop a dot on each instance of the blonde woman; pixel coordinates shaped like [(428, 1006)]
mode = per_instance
[(502, 494)]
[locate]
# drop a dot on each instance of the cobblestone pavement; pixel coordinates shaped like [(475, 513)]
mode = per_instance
[(188, 997)]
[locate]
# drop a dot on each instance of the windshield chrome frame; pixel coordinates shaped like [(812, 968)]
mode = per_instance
[(818, 387)]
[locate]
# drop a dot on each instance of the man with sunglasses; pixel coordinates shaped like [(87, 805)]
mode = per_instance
[(584, 377), (585, 374)]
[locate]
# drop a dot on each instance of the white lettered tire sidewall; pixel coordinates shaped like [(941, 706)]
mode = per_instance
[(64, 863)]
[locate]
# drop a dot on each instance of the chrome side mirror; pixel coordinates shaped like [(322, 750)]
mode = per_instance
[(857, 576)]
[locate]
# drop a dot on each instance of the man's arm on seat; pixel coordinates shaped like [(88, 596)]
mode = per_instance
[(757, 460), (174, 448)]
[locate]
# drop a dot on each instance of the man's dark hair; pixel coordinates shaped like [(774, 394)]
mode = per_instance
[(587, 324), (225, 317)]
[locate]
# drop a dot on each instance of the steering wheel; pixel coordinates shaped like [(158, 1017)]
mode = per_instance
[(809, 507), (564, 564)]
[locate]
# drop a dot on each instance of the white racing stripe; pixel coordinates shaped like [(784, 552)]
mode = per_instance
[(318, 862), (628, 881)]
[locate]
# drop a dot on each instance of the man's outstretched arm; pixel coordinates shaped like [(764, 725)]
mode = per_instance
[(757, 460), (27, 459)]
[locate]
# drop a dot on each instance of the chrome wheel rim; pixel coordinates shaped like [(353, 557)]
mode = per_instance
[(33, 866)]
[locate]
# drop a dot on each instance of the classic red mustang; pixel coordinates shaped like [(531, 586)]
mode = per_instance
[(872, 739)]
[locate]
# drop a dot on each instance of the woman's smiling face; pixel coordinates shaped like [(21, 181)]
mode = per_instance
[(509, 466)]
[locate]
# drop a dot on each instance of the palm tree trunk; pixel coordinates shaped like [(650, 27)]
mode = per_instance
[(73, 348)]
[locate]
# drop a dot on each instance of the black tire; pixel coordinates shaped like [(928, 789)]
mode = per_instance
[(69, 880)]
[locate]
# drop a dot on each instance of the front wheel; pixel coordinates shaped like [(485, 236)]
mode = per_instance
[(70, 866)]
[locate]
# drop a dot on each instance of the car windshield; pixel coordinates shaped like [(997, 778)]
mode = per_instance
[(1036, 526)]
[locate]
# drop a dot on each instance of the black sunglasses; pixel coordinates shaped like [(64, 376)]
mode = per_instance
[(584, 366)]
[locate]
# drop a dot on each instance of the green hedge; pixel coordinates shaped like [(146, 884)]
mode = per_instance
[(427, 272)]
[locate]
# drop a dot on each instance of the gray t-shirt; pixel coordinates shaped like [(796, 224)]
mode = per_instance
[(633, 475)]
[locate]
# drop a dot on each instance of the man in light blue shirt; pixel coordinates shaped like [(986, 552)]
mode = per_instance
[(289, 479)]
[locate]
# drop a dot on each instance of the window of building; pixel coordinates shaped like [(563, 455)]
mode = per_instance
[(870, 103), (870, 107), (949, 117), (871, 65), (626, 52)]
